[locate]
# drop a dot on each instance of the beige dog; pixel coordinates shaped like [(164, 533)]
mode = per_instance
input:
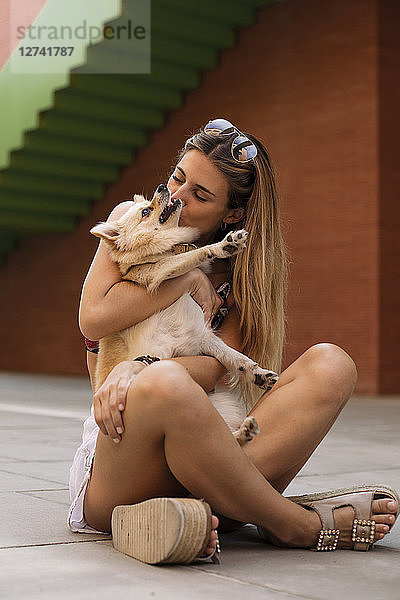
[(142, 243)]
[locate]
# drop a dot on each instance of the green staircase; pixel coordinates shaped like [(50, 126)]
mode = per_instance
[(99, 120)]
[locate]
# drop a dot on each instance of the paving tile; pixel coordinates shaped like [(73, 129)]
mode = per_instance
[(11, 418), (34, 518), (365, 437), (59, 496), (95, 571), (56, 472), (39, 450), (16, 482), (319, 575), (335, 456), (31, 417), (67, 436), (318, 483), (45, 391), (46, 435)]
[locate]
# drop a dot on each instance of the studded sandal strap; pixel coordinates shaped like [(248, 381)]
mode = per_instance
[(324, 510), (328, 535), (363, 527)]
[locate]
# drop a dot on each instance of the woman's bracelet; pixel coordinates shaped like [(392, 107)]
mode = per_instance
[(147, 359)]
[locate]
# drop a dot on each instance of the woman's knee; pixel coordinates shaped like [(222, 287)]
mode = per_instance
[(166, 387), (163, 378), (332, 368)]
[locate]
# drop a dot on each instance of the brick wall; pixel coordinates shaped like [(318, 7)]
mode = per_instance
[(305, 80)]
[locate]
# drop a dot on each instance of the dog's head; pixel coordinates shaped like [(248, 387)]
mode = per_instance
[(148, 228)]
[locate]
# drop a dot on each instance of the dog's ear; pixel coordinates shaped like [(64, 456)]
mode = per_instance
[(105, 231), (138, 198)]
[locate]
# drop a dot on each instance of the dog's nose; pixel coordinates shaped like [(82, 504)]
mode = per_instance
[(161, 188)]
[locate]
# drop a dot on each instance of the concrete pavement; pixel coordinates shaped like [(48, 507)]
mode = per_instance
[(40, 428)]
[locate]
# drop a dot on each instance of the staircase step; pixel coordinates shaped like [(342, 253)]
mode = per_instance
[(190, 27), (62, 122), (26, 161), (44, 142), (19, 180), (43, 203), (257, 3), (26, 222), (171, 49), (84, 103), (124, 88), (181, 52), (224, 11), (162, 72)]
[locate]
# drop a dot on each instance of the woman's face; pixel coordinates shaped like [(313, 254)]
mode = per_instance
[(204, 194)]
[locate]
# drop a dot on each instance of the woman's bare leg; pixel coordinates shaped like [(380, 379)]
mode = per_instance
[(174, 440), (295, 416)]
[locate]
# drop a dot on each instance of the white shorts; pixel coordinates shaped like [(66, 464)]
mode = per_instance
[(79, 476)]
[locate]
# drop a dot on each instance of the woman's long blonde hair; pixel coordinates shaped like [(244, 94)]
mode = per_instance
[(260, 272)]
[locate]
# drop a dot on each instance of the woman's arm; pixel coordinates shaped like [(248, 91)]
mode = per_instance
[(108, 304)]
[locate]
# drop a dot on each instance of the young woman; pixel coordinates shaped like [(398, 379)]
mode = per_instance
[(153, 431)]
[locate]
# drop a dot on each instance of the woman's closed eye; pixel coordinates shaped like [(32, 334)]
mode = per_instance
[(175, 178)]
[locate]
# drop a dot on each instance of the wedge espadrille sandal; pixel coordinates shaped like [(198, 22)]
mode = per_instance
[(360, 498), (164, 530)]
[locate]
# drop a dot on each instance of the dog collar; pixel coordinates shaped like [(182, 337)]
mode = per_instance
[(184, 247)]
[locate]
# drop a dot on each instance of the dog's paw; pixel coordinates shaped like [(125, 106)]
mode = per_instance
[(265, 379), (233, 242), (262, 378), (247, 431)]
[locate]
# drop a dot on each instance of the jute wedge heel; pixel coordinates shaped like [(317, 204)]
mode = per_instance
[(163, 530)]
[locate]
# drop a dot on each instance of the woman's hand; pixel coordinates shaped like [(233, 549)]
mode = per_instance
[(203, 292), (110, 399)]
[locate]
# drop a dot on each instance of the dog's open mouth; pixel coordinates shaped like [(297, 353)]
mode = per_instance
[(169, 210)]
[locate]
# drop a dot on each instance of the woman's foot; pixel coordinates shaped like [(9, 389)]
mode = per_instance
[(305, 527), (213, 536), (383, 513)]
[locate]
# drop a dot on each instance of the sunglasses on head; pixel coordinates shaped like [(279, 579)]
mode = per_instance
[(242, 149)]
